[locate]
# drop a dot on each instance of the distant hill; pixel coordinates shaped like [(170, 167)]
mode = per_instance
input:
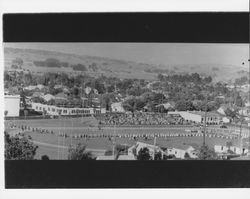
[(44, 61)]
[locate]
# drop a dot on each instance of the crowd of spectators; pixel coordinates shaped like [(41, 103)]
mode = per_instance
[(141, 118)]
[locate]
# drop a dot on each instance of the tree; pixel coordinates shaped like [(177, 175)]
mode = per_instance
[(208, 79), (75, 92), (160, 109), (205, 153), (159, 97), (133, 104), (79, 67), (45, 157), (187, 156), (130, 105), (5, 113), (27, 79), (229, 144), (52, 62), (160, 77), (231, 113), (238, 101), (184, 105), (25, 113), (18, 62), (79, 153), (158, 156), (19, 148), (143, 154)]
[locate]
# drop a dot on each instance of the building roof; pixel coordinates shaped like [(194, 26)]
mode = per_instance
[(247, 157), (165, 105), (61, 95), (105, 157), (37, 94), (202, 113), (48, 97), (179, 146), (149, 146), (126, 157), (12, 96)]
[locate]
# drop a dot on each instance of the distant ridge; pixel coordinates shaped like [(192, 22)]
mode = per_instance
[(119, 68)]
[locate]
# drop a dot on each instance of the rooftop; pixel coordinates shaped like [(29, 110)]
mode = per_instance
[(103, 157)]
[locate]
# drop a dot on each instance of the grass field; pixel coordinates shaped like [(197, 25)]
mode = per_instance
[(57, 147)]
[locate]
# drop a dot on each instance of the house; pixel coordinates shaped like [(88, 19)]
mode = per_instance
[(11, 105), (105, 157), (29, 88), (225, 120), (166, 106), (148, 108), (88, 90), (61, 96), (36, 87), (37, 94), (65, 90), (236, 149), (6, 92), (134, 150), (117, 107), (182, 151), (48, 97), (246, 157), (223, 108), (126, 157), (247, 104), (220, 97), (58, 86), (244, 111), (40, 86)]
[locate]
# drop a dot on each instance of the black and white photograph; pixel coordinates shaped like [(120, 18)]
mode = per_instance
[(126, 100)]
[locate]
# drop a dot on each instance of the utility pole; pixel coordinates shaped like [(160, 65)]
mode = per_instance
[(241, 130), (114, 140), (205, 123), (154, 148)]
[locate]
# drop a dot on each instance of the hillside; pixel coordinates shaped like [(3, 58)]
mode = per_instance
[(44, 61)]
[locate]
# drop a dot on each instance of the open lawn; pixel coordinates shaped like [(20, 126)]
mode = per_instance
[(56, 147)]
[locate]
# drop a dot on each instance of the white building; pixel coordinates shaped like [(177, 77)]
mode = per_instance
[(187, 116), (198, 116), (247, 104), (225, 120), (117, 107), (88, 90), (12, 105), (120, 157), (140, 145), (39, 86), (179, 151), (244, 111), (165, 105), (54, 110), (221, 110), (105, 157), (48, 97), (126, 157), (224, 149)]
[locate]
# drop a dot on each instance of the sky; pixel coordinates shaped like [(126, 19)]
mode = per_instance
[(153, 53)]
